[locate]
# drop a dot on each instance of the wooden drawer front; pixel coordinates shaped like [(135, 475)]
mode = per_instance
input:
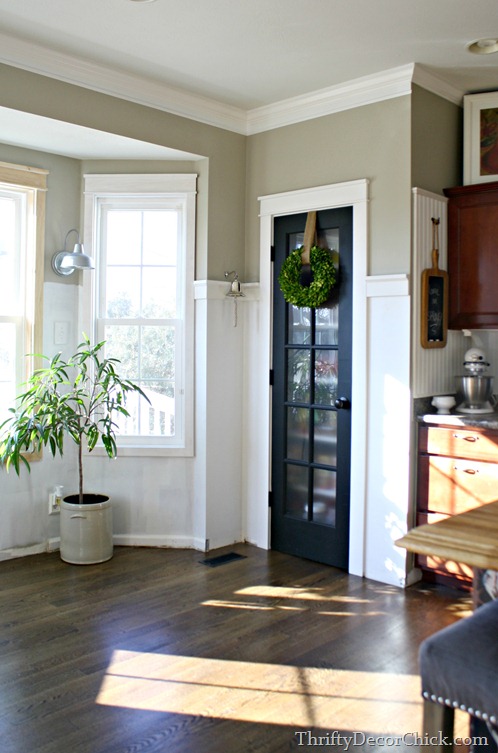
[(453, 485), (436, 564), (459, 442)]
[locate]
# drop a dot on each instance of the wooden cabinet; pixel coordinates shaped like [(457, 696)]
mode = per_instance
[(457, 470), (473, 256)]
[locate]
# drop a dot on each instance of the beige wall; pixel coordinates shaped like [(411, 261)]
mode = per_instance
[(437, 135), (396, 144), (222, 186), (368, 142)]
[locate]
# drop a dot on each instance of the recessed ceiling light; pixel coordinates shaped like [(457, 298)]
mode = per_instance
[(483, 46)]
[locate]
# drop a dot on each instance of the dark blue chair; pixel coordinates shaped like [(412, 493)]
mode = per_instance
[(459, 670)]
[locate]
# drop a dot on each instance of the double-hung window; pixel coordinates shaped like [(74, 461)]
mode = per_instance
[(22, 217), (141, 299)]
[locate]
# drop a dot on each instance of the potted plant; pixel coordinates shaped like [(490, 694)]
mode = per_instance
[(79, 399)]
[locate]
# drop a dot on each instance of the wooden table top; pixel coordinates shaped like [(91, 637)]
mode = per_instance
[(470, 538)]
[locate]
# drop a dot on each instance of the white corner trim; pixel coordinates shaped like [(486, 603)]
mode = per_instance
[(385, 286), (395, 82)]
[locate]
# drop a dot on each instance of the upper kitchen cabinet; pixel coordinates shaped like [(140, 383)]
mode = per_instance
[(473, 256)]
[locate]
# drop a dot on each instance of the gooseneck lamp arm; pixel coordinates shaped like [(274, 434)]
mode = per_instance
[(65, 262)]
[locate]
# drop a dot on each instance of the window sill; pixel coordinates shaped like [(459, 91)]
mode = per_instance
[(146, 451)]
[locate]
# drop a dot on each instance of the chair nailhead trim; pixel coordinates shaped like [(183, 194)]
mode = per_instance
[(456, 705)]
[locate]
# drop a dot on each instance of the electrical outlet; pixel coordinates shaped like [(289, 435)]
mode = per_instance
[(54, 503)]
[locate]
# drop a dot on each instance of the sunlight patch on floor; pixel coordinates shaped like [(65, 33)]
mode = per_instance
[(295, 599), (377, 702), (298, 593)]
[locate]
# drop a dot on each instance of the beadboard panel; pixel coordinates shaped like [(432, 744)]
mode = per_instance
[(433, 369)]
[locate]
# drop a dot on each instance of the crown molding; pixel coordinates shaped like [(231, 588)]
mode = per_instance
[(395, 82), (433, 83), (366, 90), (73, 70), (361, 91)]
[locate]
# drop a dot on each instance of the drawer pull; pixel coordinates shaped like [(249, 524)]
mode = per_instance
[(467, 438), (470, 471)]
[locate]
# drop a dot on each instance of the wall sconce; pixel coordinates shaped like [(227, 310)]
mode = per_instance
[(234, 292), (65, 262)]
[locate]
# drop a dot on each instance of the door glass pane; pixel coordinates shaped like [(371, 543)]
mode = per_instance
[(298, 433), (296, 503), (325, 437), (324, 496), (299, 332), (326, 370), (327, 326), (298, 376)]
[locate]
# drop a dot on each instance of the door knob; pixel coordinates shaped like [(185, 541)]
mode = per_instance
[(342, 403)]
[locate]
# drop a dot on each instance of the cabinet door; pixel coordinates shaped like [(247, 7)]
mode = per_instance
[(473, 272), (454, 485), (459, 443)]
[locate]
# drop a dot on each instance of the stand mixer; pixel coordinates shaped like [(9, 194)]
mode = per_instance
[(475, 388)]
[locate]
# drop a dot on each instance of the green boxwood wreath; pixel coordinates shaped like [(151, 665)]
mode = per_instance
[(324, 278)]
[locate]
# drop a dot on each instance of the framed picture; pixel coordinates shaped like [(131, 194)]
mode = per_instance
[(480, 146)]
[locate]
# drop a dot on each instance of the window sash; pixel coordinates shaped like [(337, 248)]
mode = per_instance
[(26, 186), (104, 194)]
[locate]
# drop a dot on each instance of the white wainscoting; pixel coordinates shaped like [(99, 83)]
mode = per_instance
[(434, 369)]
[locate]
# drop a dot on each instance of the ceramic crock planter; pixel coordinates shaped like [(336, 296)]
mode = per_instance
[(80, 399), (86, 530)]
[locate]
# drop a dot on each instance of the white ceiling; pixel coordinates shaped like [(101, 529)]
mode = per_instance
[(241, 55)]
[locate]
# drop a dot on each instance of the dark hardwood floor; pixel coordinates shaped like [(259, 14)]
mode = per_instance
[(154, 651)]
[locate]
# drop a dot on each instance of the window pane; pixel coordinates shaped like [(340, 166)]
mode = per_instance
[(123, 292), (122, 343), (9, 257), (157, 358), (159, 292), (160, 237), (124, 237), (7, 368)]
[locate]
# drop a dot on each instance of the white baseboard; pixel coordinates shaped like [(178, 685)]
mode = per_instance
[(166, 542), (22, 551), (172, 542)]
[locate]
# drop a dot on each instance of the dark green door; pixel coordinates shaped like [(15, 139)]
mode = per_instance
[(311, 416)]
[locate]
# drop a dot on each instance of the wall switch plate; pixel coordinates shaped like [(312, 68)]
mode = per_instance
[(61, 333)]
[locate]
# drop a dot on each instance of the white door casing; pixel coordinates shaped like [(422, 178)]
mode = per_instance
[(257, 472)]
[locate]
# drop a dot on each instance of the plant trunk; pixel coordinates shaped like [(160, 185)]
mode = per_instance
[(80, 469)]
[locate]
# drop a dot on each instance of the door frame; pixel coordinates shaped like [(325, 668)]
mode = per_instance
[(257, 470)]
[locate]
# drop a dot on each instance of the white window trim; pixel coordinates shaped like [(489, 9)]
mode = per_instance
[(32, 183), (182, 186)]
